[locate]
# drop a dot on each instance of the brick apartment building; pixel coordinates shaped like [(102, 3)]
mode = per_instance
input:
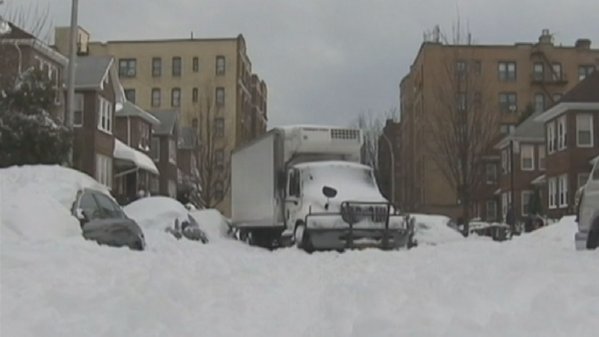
[(519, 79), (210, 81), (572, 143)]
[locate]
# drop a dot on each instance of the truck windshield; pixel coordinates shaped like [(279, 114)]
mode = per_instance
[(337, 176)]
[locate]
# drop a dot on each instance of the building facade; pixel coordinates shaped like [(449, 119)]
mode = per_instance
[(518, 80), (209, 81)]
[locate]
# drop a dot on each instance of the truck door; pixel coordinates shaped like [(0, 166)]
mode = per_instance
[(292, 200)]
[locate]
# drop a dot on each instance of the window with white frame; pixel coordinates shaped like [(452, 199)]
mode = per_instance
[(563, 190), (541, 149), (155, 149), (172, 188), (491, 173), (78, 113), (539, 102), (104, 170), (552, 192), (104, 115), (551, 138), (582, 179), (506, 200), (527, 156), (584, 130), (172, 151), (561, 133), (525, 201), (504, 161), (491, 209)]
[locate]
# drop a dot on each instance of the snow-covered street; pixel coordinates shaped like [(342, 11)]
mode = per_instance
[(535, 285)]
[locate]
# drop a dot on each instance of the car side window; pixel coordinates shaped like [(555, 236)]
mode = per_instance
[(108, 207), (88, 205)]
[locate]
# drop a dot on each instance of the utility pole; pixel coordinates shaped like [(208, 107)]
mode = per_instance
[(71, 70)]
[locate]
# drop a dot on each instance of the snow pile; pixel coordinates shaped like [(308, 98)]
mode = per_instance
[(214, 223), (156, 213), (433, 229), (559, 234), (36, 201)]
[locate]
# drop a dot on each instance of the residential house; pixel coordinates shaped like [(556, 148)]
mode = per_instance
[(163, 150), (521, 173), (97, 95), (188, 148), (134, 170), (21, 51), (572, 142), (518, 78)]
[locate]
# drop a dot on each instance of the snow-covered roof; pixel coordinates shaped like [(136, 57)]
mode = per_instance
[(131, 110), (90, 71), (141, 160), (168, 121), (531, 130)]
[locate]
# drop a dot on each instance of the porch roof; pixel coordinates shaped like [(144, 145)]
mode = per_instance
[(139, 159)]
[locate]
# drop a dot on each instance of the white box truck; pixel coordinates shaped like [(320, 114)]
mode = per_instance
[(305, 185)]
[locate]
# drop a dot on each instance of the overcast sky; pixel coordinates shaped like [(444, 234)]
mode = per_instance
[(325, 61)]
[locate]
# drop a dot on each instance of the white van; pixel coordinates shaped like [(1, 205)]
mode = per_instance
[(587, 236)]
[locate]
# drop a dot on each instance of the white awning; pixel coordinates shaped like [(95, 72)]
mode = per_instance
[(139, 159)]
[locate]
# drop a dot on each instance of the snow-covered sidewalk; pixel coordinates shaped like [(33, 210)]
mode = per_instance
[(535, 285)]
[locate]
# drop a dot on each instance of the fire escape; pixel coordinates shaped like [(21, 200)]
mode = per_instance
[(547, 81)]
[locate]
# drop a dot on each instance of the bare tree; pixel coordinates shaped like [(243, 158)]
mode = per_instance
[(213, 160), (372, 126), (462, 125)]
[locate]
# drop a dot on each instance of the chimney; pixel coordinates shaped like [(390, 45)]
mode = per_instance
[(545, 37), (583, 44)]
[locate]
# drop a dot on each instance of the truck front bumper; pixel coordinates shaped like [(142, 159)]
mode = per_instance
[(346, 238)]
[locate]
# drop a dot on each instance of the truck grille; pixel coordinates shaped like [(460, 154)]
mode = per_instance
[(356, 213), (345, 134)]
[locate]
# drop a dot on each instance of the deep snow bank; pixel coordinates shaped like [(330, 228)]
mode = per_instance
[(433, 230), (36, 201)]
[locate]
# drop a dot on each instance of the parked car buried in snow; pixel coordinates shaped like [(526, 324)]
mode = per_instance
[(168, 215), (587, 236)]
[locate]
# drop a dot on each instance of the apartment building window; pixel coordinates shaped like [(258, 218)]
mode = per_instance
[(105, 115), (194, 95), (563, 190), (542, 157), (155, 149), (127, 67), (551, 138), (505, 161), (556, 97), (539, 102), (195, 64), (460, 68), (584, 130), (491, 173), (527, 155), (508, 102), (156, 67), (220, 65), (176, 97), (552, 191), (156, 97), (506, 129), (557, 71), (220, 96), (506, 201), (585, 70), (172, 151), (582, 179), (172, 188), (476, 66), (462, 104), (130, 95), (219, 127), (538, 71), (507, 71), (104, 170), (525, 197), (176, 66), (491, 210), (219, 158), (561, 133), (78, 113), (477, 99)]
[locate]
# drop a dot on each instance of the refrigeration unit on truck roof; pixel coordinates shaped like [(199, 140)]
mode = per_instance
[(323, 140)]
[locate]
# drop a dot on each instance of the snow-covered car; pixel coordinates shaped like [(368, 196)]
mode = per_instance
[(42, 202), (587, 236), (434, 229), (496, 231), (168, 215)]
